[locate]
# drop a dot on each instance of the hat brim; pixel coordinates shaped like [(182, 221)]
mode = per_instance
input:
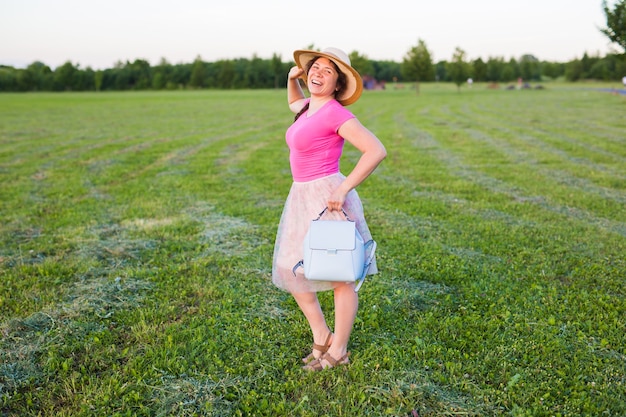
[(354, 87)]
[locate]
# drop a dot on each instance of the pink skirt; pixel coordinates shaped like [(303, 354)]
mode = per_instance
[(304, 203)]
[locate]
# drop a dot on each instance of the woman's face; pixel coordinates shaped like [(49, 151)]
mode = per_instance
[(322, 78)]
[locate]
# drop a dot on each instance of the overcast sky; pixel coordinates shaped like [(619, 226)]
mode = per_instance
[(98, 33)]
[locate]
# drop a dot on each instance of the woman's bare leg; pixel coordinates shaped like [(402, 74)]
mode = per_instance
[(310, 306), (346, 306)]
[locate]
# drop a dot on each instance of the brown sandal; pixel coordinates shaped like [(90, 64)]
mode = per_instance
[(317, 365), (322, 348)]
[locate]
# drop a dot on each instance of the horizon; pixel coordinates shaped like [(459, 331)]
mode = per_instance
[(94, 37)]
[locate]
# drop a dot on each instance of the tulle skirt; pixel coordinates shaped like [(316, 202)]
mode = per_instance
[(304, 203)]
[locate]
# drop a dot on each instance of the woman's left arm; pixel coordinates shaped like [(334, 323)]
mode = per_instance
[(372, 154)]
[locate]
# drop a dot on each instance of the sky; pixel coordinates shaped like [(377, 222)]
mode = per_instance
[(98, 33)]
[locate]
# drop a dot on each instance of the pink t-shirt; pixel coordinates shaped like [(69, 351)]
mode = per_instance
[(314, 145)]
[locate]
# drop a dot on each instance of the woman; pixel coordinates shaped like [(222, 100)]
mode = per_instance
[(315, 141)]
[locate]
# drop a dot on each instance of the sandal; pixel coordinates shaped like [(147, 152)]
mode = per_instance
[(322, 348), (317, 365)]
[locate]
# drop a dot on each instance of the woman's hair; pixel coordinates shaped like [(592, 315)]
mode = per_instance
[(342, 81), (305, 108)]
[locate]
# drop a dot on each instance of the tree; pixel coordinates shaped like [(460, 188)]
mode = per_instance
[(65, 76), (98, 80), (386, 70), (530, 68), (616, 23), (600, 70), (479, 70), (510, 71), (140, 74), (418, 64), (254, 73), (552, 70), (361, 63), (197, 73), (458, 69), (85, 80), (574, 70), (226, 74), (179, 76), (586, 64), (41, 76), (277, 68), (495, 67), (162, 71), (441, 72)]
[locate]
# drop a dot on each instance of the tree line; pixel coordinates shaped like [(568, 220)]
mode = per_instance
[(417, 66), (258, 73)]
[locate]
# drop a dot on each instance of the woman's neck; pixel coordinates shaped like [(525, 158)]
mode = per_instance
[(317, 103)]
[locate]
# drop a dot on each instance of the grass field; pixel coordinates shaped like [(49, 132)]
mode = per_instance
[(137, 233)]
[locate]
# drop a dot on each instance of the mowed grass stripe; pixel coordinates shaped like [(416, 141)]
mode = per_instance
[(486, 148), (527, 144)]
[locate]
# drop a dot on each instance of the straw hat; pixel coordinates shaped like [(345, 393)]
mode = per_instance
[(352, 91)]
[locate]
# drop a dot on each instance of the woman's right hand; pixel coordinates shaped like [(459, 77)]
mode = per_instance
[(295, 72)]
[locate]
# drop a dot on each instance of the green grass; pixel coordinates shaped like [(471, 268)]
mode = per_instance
[(137, 233)]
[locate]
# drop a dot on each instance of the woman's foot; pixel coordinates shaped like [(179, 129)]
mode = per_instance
[(319, 348), (326, 361)]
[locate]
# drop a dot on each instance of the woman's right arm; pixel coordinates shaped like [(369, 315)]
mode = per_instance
[(295, 95)]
